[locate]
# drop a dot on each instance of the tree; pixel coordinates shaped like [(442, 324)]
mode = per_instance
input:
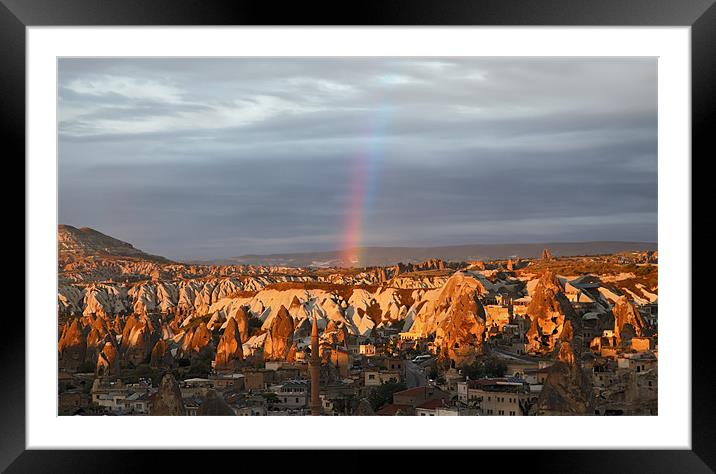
[(486, 367), (433, 373), (383, 394), (271, 398)]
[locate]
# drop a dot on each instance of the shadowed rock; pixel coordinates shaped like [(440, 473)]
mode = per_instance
[(168, 400), (215, 405)]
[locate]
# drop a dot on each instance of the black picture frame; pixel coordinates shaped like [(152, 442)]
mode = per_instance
[(16, 15)]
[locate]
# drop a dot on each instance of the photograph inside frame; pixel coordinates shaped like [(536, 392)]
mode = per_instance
[(356, 236)]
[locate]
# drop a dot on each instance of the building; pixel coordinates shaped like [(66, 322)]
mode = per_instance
[(393, 409), (415, 396), (113, 396), (497, 316), (341, 360), (367, 350), (435, 407), (375, 377), (138, 403), (258, 379), (497, 396), (292, 394), (73, 402), (226, 381), (195, 387)]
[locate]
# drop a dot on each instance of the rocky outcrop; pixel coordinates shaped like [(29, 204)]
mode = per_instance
[(242, 323), (279, 337), (200, 345), (436, 305), (628, 322), (136, 340), (460, 335), (74, 243), (72, 346), (99, 333), (107, 361), (161, 357), (568, 388), (229, 352), (214, 405), (168, 400), (548, 311)]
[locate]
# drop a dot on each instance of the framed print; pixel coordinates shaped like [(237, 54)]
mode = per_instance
[(464, 215)]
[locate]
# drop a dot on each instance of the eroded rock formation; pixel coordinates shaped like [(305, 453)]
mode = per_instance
[(214, 405), (72, 346), (627, 320), (168, 400), (107, 361), (548, 311), (161, 357), (229, 352), (279, 337)]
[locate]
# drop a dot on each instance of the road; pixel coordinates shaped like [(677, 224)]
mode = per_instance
[(414, 375)]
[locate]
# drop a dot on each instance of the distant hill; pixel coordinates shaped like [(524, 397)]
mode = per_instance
[(379, 256), (86, 242)]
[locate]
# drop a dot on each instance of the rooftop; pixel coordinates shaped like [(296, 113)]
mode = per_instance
[(392, 409)]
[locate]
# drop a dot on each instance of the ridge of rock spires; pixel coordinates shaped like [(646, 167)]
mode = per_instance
[(461, 315), (279, 337), (168, 400), (160, 357), (72, 346), (548, 311), (214, 405), (627, 320), (229, 352), (107, 361)]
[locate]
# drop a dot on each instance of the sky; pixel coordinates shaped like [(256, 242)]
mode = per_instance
[(217, 157)]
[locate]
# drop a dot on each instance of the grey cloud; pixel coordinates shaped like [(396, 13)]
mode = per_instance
[(218, 157)]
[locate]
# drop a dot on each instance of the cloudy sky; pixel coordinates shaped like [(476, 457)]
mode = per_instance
[(210, 158)]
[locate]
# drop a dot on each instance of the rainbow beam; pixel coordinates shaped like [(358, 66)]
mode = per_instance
[(363, 189)]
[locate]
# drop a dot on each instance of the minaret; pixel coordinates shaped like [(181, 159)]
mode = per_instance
[(315, 370)]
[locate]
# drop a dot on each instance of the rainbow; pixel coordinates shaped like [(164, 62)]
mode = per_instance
[(363, 188)]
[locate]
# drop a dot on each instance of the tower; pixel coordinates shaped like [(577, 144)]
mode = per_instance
[(315, 364)]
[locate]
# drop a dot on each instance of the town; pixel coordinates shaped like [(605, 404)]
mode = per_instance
[(548, 335)]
